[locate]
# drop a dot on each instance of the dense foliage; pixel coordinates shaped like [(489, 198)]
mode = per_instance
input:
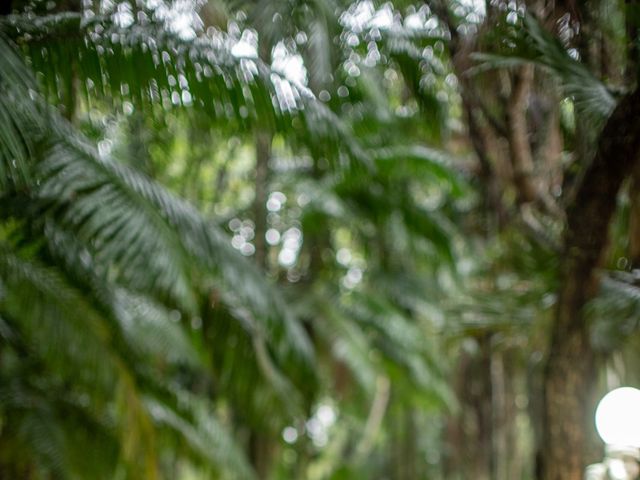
[(291, 239)]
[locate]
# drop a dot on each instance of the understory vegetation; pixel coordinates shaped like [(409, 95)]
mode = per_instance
[(315, 239)]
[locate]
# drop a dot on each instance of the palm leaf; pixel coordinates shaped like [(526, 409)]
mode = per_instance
[(533, 44), (15, 82), (154, 68), (202, 434), (615, 312), (73, 339)]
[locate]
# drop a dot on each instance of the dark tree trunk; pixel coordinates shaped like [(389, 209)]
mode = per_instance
[(634, 220), (518, 136), (570, 370), (470, 434)]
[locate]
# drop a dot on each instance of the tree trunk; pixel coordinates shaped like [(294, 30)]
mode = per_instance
[(570, 369), (518, 136), (470, 434)]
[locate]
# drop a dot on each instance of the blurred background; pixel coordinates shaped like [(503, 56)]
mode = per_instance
[(311, 239)]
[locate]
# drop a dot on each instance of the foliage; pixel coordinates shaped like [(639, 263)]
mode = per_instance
[(405, 293)]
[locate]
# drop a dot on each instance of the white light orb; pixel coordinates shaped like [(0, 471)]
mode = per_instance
[(618, 417)]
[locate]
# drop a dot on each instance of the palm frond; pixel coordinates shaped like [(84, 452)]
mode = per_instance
[(403, 345), (533, 44), (46, 423), (91, 197), (16, 81), (96, 366), (119, 221), (154, 332), (435, 166), (154, 68), (64, 331), (615, 312), (202, 434), (147, 238), (350, 346)]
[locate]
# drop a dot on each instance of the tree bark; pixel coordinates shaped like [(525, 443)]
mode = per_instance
[(470, 433), (570, 369), (521, 156)]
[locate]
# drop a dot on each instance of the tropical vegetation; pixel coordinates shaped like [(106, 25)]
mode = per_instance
[(324, 239)]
